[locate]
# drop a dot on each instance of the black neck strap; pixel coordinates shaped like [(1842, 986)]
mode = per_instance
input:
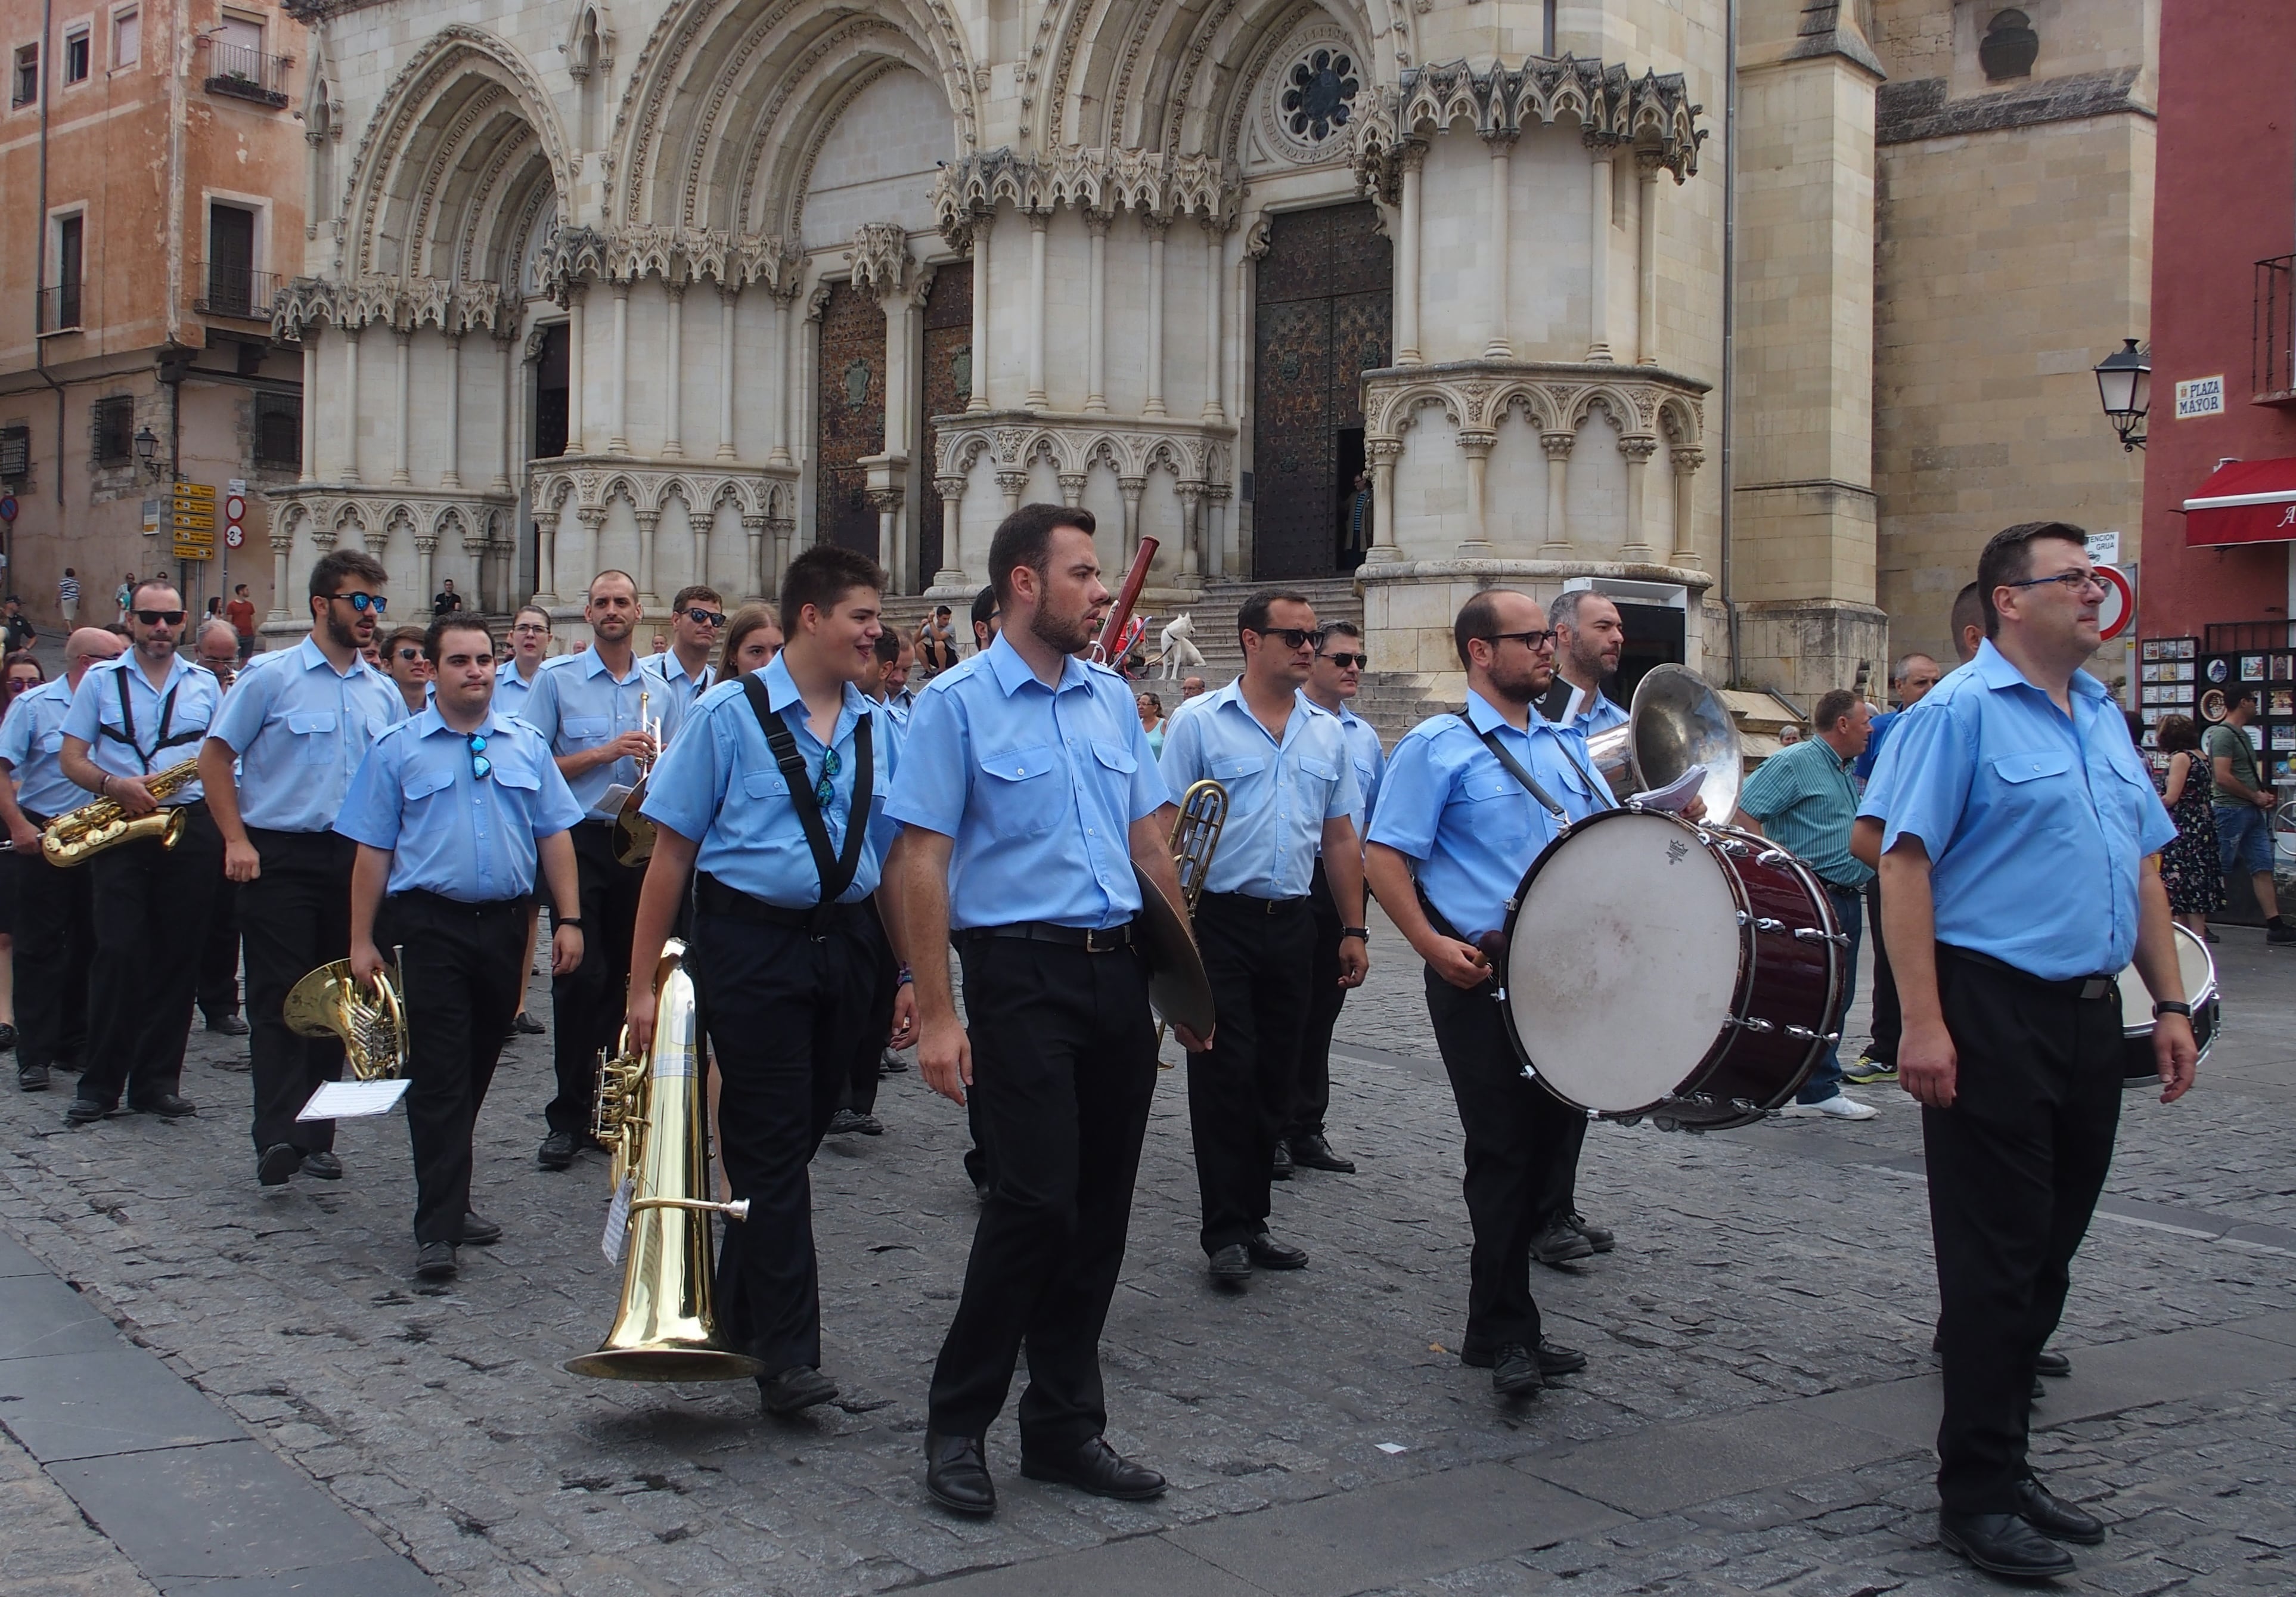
[(835, 870), (1545, 799), (127, 733)]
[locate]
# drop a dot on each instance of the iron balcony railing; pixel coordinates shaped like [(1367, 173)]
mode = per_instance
[(246, 73), (2273, 357), (229, 290), (59, 309)]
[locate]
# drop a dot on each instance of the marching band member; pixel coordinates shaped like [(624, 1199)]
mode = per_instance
[(143, 713), (299, 724), (216, 646), (408, 668), (697, 619), (1590, 639), (585, 706), (1028, 797), (56, 926), (773, 795), (452, 809), (752, 638), (1457, 827), (857, 1102), (529, 642), (1334, 678), (1291, 790)]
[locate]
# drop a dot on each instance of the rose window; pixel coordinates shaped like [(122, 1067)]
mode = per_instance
[(1318, 94)]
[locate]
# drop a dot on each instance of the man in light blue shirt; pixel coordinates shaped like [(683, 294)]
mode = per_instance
[(143, 714), (1033, 812), (452, 811), (788, 952), (298, 725), (1454, 835), (1590, 640), (1290, 786), (697, 620), (592, 708), (2019, 879), (55, 911)]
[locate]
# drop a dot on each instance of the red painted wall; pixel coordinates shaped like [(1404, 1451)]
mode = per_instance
[(2225, 199)]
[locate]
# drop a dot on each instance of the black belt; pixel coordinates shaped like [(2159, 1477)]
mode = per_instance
[(2069, 986), (477, 910), (1105, 939), (1838, 887), (712, 897), (1251, 902)]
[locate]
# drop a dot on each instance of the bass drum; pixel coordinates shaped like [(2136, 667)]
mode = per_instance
[(1691, 974), (2198, 967)]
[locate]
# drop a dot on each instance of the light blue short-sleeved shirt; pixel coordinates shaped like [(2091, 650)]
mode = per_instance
[(2037, 826), (300, 729), (164, 726), (1037, 786), (675, 691), (1370, 761), (1279, 794), (1447, 803), (577, 704), (720, 785), (32, 742), (512, 691), (451, 831)]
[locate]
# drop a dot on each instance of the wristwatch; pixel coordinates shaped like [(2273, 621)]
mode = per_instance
[(574, 920), (1363, 932), (2172, 1008)]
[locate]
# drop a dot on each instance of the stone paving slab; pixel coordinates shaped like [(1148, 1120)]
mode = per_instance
[(93, 1404), (1648, 1475), (47, 1548)]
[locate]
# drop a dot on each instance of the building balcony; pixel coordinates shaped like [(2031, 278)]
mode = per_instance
[(229, 290), (2272, 379), (59, 309), (245, 73)]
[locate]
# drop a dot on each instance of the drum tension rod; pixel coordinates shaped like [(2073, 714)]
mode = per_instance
[(1817, 934), (1751, 1023), (1803, 1034)]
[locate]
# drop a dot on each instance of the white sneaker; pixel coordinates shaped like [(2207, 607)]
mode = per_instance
[(1841, 1106)]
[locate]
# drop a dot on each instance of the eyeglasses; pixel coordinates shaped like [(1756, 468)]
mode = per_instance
[(705, 617), (824, 791), (530, 629), (2072, 582), (363, 603), (409, 652), (160, 618), (1348, 662), (480, 763), (1294, 637), (1534, 640)]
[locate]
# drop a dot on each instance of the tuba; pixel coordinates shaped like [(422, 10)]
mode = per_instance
[(330, 1003), (651, 1113), (78, 836), (1676, 721)]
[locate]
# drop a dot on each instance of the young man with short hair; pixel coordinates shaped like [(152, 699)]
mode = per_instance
[(697, 620), (2243, 806)]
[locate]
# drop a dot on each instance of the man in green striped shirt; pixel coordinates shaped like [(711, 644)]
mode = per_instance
[(1802, 799)]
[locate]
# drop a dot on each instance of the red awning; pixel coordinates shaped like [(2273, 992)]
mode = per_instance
[(2244, 502)]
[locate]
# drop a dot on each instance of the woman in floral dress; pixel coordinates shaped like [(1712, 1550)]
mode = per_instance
[(2189, 868)]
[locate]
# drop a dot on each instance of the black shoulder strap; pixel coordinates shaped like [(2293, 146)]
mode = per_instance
[(836, 870), (1539, 795)]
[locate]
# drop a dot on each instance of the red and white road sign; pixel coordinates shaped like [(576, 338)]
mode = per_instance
[(235, 535), (2118, 608), (234, 508)]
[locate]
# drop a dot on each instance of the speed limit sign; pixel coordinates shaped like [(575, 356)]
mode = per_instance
[(2119, 608)]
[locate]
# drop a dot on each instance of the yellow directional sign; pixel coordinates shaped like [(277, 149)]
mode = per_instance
[(185, 549), (194, 490), (184, 519)]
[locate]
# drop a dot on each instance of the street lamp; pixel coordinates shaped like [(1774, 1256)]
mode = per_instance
[(147, 448), (2124, 386)]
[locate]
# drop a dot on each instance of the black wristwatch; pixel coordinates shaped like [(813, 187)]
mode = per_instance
[(2172, 1008), (1363, 932), (557, 919)]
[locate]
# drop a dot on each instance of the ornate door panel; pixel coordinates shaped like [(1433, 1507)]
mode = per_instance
[(1325, 314), (850, 413), (948, 387)]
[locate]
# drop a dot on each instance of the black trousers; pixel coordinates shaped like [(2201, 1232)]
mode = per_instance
[(587, 1004), (150, 916), (883, 985), (54, 952), (298, 915), (1311, 1091), (1257, 952), (2014, 1169), (1522, 1160), (1064, 1071), (1888, 1024), (459, 966), (218, 989), (785, 1013)]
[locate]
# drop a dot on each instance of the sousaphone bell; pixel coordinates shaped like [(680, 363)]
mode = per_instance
[(1676, 721)]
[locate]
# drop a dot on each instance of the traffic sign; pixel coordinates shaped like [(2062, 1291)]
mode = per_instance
[(199, 518), (235, 508), (2120, 606), (194, 490), (234, 536), (7, 507)]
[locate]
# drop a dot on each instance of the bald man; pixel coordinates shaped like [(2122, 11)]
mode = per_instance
[(55, 925)]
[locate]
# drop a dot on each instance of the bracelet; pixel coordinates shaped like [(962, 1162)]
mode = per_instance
[(907, 975), (2172, 1008), (103, 785), (1363, 933), (559, 923)]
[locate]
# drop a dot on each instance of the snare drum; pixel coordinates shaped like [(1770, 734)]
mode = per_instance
[(2199, 969), (1693, 974)]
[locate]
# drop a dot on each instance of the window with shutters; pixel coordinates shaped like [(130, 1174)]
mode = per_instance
[(24, 80), (113, 424), (77, 51), (126, 36)]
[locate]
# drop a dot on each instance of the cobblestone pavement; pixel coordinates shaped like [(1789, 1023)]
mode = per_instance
[(1749, 1420)]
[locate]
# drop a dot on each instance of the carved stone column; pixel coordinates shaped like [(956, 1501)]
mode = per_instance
[(887, 501), (574, 343), (648, 521), (1011, 484), (1157, 228), (1192, 502), (546, 559), (673, 370), (777, 381), (698, 523), (452, 476), (1558, 446), (753, 575), (1685, 462), (617, 441), (784, 531), (399, 476), (310, 419), (785, 362), (592, 518), (1072, 489), (951, 490), (1132, 488), (1501, 226), (1037, 221), (1215, 271), (350, 406), (282, 545), (1475, 444), (1383, 454), (1598, 258), (1095, 379), (513, 403), (1646, 170), (1637, 452), (983, 225), (1406, 259)]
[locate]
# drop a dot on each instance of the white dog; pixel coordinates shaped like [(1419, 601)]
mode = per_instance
[(1179, 651)]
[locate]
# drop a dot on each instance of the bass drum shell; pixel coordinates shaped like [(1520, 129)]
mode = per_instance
[(1656, 968), (2198, 966)]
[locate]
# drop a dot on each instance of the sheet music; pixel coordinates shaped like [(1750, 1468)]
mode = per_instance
[(353, 1100), (1674, 797)]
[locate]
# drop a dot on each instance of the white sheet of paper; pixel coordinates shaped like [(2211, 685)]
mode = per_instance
[(1674, 797), (352, 1099), (613, 802), (618, 1222)]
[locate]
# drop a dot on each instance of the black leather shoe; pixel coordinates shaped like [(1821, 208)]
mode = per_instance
[(889, 1063), (435, 1261), (526, 1026), (32, 1079), (1315, 1154), (277, 1163), (2040, 1391), (1514, 1372), (231, 1026), (956, 1475), (1559, 1243), (1284, 1167), (322, 1165), (2003, 1545), (2055, 1365), (2054, 1518), (845, 1121), (83, 1112), (1268, 1254), (557, 1150), (478, 1230), (1600, 1240), (168, 1106), (1232, 1263), (795, 1389), (1554, 1358), (1096, 1468)]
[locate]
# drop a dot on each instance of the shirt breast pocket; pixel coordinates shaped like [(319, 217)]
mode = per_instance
[(586, 732), (519, 772), (767, 785), (419, 783), (53, 743), (1317, 777), (311, 745), (1497, 809), (1243, 775), (2031, 787), (1019, 794)]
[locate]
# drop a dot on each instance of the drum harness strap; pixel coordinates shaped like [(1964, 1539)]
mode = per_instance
[(835, 870), (127, 733)]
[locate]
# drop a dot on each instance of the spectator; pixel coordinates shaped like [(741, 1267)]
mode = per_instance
[(24, 673), (15, 627), (406, 665), (937, 640), (753, 636), (1802, 799), (213, 610), (68, 598), (446, 602), (1789, 734), (2244, 807), (1191, 687), (1151, 717), (119, 600), (986, 620), (1914, 676), (241, 613), (2190, 866)]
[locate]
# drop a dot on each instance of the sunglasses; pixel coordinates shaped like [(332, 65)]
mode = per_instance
[(410, 653), (480, 763), (824, 791), (365, 602), (705, 617), (160, 618), (1348, 662), (1294, 637)]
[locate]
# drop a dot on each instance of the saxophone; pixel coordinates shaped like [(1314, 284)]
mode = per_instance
[(78, 836)]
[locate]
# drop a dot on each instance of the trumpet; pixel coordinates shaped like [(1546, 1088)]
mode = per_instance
[(634, 834), (78, 836)]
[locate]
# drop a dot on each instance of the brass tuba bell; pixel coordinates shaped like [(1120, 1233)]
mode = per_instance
[(1676, 721), (654, 1116), (330, 1003)]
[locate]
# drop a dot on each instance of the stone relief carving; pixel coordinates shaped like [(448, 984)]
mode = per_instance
[(1155, 185)]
